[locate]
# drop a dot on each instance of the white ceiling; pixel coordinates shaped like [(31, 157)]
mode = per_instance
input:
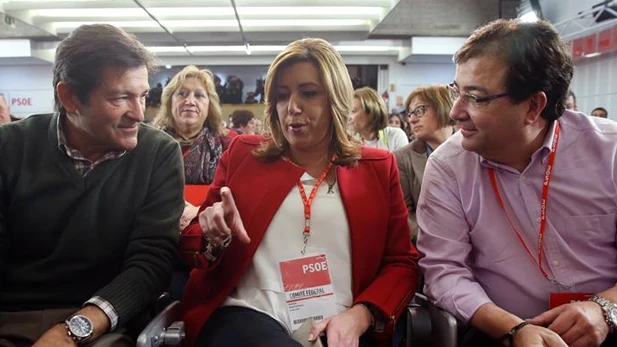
[(207, 31)]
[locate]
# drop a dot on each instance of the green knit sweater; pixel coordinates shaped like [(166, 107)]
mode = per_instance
[(65, 238)]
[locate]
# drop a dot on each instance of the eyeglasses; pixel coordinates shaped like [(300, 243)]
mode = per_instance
[(418, 112), (470, 99)]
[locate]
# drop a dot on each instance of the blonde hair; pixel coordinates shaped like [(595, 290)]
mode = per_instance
[(374, 106), (214, 120), (438, 96), (337, 83)]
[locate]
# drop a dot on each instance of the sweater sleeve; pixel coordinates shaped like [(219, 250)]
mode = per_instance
[(148, 261), (4, 240)]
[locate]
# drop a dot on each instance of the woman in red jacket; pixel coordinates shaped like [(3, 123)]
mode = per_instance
[(302, 225)]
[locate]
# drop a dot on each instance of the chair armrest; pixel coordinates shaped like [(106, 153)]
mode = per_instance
[(428, 325), (163, 330)]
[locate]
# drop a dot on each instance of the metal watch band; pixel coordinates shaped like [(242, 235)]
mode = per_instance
[(607, 306)]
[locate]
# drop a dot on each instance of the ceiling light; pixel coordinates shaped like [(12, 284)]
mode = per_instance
[(210, 11), (529, 17), (364, 48), (89, 12), (249, 23), (248, 49), (529, 11), (312, 10), (592, 55)]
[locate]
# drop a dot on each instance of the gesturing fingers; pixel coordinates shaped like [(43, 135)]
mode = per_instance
[(546, 318), (232, 216)]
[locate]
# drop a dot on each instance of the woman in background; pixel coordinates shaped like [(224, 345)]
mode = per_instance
[(243, 122), (428, 110), (369, 119), (396, 121), (190, 112)]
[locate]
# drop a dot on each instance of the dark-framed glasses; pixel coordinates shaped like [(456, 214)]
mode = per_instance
[(471, 99), (417, 112)]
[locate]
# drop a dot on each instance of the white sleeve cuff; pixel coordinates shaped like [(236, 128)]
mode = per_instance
[(109, 310)]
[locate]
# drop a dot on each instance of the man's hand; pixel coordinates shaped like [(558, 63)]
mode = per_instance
[(58, 336), (55, 337), (536, 336), (344, 329), (190, 211), (221, 220), (580, 324)]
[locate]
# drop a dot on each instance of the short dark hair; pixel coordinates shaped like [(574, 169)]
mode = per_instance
[(537, 60), (571, 94), (241, 118), (600, 109), (81, 57)]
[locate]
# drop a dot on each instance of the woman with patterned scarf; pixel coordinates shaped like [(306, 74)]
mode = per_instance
[(190, 112)]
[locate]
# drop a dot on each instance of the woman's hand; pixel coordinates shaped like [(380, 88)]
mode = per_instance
[(344, 329), (190, 211), (222, 220)]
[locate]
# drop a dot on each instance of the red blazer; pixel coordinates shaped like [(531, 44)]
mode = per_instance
[(384, 262)]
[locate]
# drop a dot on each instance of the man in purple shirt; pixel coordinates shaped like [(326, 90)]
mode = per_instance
[(518, 209)]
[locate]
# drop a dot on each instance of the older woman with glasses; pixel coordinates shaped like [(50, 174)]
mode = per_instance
[(428, 110)]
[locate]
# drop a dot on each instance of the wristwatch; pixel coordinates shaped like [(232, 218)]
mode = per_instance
[(79, 328), (610, 311)]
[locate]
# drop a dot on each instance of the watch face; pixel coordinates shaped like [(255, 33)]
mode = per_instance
[(80, 326)]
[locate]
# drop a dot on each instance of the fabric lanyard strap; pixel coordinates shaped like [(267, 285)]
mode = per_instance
[(547, 180), (306, 233)]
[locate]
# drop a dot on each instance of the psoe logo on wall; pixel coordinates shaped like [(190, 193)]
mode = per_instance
[(28, 102)]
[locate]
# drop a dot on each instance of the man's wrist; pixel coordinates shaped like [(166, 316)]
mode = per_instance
[(508, 338), (608, 310), (63, 329)]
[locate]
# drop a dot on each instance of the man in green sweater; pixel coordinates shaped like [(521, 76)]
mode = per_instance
[(90, 201)]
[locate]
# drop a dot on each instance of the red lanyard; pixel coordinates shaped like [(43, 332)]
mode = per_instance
[(306, 233), (547, 180)]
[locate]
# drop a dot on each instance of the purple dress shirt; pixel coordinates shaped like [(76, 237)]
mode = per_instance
[(471, 254)]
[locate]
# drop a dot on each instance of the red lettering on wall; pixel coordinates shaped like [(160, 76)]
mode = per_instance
[(21, 101)]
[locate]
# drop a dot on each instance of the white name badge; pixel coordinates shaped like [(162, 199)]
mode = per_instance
[(308, 289)]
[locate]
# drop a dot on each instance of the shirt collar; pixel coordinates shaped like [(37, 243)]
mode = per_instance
[(64, 147), (541, 153)]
